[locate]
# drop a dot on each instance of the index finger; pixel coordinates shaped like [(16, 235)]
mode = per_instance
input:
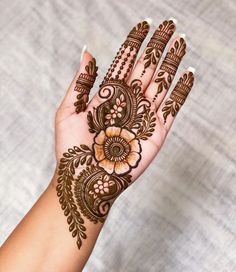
[(125, 57)]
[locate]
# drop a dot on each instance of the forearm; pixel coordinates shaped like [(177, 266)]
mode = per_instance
[(42, 242)]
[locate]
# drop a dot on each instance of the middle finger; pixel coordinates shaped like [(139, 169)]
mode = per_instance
[(147, 63)]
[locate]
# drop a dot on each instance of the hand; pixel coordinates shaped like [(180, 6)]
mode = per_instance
[(104, 145)]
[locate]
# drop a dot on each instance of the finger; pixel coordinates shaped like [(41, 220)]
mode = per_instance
[(77, 95), (161, 82), (170, 107), (147, 63), (125, 58)]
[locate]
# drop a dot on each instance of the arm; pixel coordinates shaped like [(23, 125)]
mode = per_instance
[(102, 147), (42, 236)]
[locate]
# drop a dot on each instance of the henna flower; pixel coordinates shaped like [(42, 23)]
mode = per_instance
[(117, 150), (115, 112), (101, 186)]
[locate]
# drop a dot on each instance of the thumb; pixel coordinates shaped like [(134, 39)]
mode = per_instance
[(77, 95)]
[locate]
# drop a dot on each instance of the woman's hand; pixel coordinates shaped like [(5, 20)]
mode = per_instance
[(104, 145)]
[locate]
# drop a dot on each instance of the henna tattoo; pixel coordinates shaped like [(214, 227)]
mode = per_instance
[(91, 177), (127, 53), (83, 85), (66, 172), (157, 44), (169, 66), (178, 95), (119, 125)]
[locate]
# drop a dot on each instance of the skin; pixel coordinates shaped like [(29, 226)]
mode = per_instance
[(38, 241)]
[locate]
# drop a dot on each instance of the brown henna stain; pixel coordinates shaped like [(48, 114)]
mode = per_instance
[(127, 52), (169, 66), (178, 95), (157, 44), (84, 83)]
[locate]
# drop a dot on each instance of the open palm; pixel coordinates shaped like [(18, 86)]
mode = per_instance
[(104, 145)]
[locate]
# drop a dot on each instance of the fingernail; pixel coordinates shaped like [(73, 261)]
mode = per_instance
[(182, 35), (148, 20), (175, 21), (82, 52), (191, 69)]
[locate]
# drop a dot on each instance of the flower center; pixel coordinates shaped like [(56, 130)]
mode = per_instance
[(116, 148)]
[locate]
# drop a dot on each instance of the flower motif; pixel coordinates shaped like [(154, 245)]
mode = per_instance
[(117, 150), (115, 112), (101, 186)]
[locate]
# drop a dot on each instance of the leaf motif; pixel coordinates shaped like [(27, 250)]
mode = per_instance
[(67, 155), (64, 190), (77, 162), (149, 50), (166, 108), (83, 160), (89, 160), (176, 106), (172, 111), (161, 73), (168, 102), (147, 64), (85, 147)]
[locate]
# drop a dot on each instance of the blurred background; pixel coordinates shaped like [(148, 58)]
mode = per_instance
[(181, 214)]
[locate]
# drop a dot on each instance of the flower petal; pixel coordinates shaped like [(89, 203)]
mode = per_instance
[(101, 137), (99, 152), (135, 145), (106, 190), (127, 135), (107, 165), (113, 131), (133, 158), (108, 116), (121, 167)]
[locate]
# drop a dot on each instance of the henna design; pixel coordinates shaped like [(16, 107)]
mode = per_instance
[(157, 44), (106, 165), (95, 191), (84, 83), (127, 52), (91, 178), (178, 95), (169, 66), (67, 166)]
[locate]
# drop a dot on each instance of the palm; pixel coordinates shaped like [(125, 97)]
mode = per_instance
[(112, 140), (74, 131)]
